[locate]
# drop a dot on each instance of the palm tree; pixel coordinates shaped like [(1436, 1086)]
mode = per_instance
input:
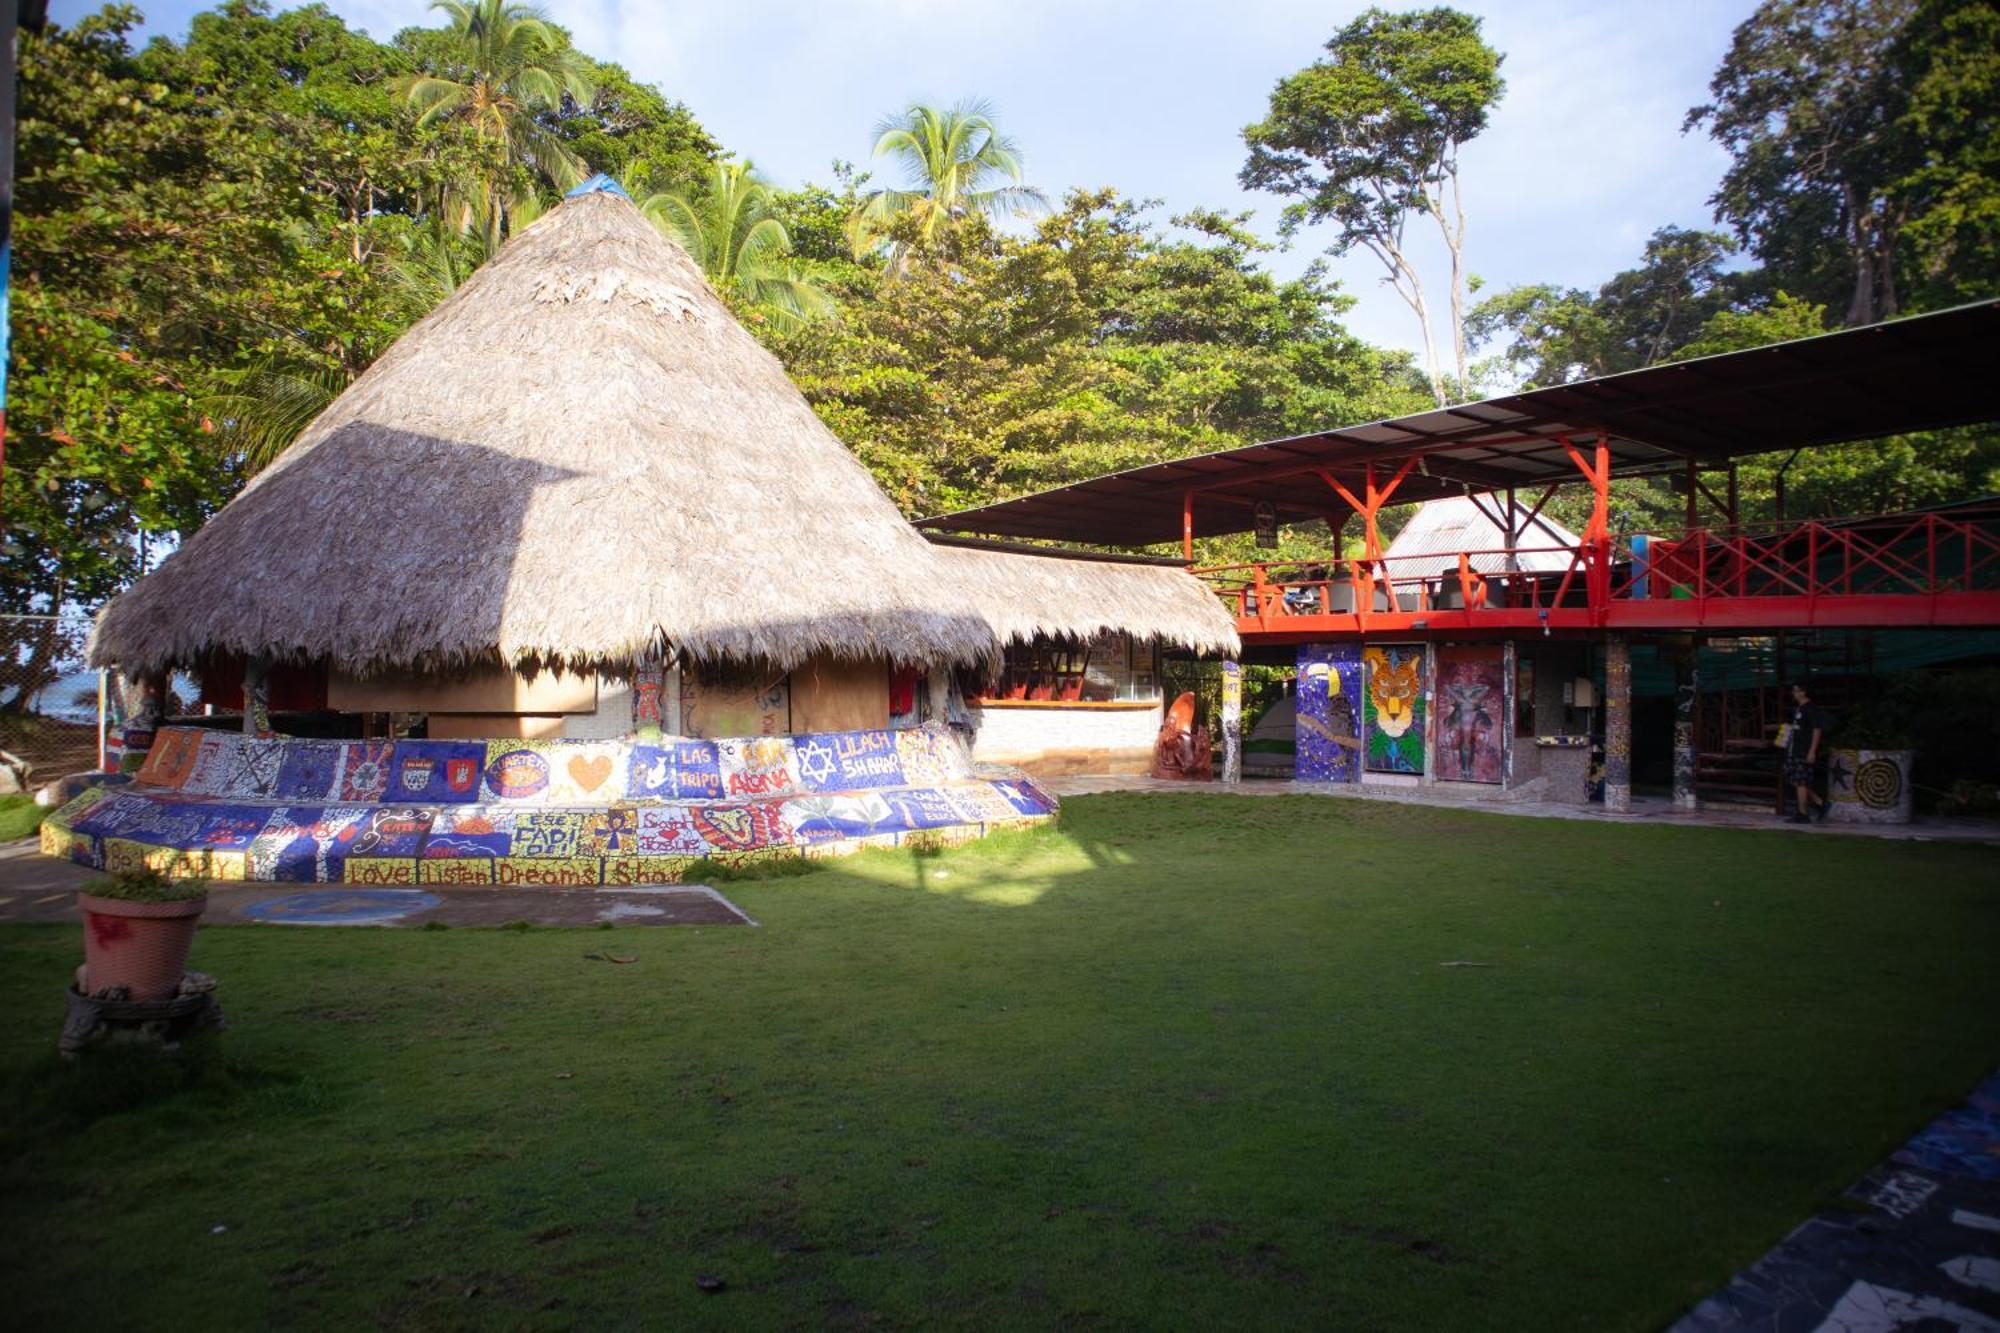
[(954, 162), (506, 67), (733, 234)]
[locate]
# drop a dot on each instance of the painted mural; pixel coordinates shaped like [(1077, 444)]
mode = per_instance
[(1392, 709), (1471, 718), (1329, 712), (563, 812)]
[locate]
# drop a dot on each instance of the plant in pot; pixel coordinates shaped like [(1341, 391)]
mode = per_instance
[(137, 930)]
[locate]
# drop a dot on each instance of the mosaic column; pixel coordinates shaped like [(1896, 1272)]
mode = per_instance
[(1687, 689), (1617, 724), (1429, 775), (1232, 721)]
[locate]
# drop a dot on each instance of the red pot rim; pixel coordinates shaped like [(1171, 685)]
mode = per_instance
[(120, 907)]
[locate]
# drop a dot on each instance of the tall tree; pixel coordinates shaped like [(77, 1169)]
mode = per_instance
[(954, 162), (1950, 54), (733, 233), (1642, 316), (1371, 135), (1806, 101), (501, 70), (1866, 144)]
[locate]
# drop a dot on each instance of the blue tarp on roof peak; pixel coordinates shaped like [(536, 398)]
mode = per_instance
[(600, 184)]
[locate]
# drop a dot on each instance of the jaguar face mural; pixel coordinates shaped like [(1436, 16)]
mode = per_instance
[(1393, 708)]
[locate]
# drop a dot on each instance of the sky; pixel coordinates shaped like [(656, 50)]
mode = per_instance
[(1582, 160)]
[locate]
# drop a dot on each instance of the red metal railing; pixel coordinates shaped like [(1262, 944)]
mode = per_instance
[(1916, 569)]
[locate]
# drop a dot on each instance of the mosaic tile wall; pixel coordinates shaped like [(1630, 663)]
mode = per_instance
[(226, 806)]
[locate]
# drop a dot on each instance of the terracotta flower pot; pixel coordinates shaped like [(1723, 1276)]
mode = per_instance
[(140, 946)]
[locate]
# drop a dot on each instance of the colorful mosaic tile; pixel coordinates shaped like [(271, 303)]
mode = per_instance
[(462, 870), (558, 812), (470, 831), (611, 832), (549, 872), (674, 770), (631, 870), (384, 871), (391, 831), (364, 770), (209, 772), (931, 756), (668, 830), (437, 772), (740, 828), (547, 833), (310, 771), (171, 756), (758, 766)]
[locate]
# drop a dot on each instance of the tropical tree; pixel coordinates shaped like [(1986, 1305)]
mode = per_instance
[(1641, 317), (733, 233), (955, 162), (1370, 135), (1862, 133), (499, 71)]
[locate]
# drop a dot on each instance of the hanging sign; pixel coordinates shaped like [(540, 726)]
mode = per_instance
[(1265, 517)]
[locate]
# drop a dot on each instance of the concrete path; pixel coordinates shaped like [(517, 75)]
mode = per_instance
[(36, 888), (1645, 809), (1917, 1245)]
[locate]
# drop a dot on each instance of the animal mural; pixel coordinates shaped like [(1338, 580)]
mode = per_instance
[(1392, 711), (1329, 713), (1471, 714)]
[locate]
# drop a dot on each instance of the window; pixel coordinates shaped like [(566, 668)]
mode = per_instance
[(1106, 669)]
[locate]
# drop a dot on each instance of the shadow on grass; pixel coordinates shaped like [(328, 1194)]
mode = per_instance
[(54, 1097)]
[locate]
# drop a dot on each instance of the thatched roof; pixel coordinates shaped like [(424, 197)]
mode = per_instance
[(1022, 594), (579, 454)]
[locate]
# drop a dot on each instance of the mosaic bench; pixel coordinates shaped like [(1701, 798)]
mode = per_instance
[(225, 806)]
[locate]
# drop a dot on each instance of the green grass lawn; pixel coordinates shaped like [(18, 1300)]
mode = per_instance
[(1186, 1061)]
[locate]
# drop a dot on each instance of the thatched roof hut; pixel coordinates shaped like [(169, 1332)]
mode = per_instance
[(1022, 593), (579, 456)]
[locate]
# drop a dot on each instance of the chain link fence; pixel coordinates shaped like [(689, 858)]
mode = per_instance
[(49, 700)]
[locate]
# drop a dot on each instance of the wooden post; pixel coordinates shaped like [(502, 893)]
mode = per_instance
[(1617, 725), (256, 697), (1693, 494), (103, 711), (1232, 722), (1187, 525)]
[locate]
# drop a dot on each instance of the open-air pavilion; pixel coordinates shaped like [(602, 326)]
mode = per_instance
[(1512, 627)]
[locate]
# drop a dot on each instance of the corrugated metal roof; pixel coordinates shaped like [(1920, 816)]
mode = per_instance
[(1919, 373)]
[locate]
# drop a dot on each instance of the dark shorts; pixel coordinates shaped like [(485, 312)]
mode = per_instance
[(1799, 772)]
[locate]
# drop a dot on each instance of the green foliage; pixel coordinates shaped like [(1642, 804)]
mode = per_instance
[(733, 233), (1863, 147), (955, 163), (147, 886), (1004, 364), (1371, 135), (1638, 318), (20, 816)]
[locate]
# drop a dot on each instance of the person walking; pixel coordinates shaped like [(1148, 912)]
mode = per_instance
[(1804, 740)]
